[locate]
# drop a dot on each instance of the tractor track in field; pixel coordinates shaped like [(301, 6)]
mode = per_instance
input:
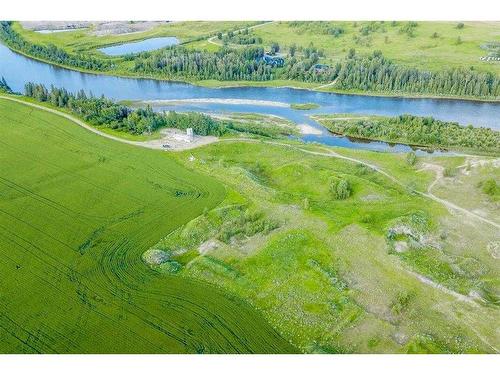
[(158, 312)]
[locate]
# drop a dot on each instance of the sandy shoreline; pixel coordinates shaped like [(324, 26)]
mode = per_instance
[(268, 103), (308, 129)]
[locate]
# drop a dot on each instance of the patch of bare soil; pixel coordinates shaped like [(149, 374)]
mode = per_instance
[(176, 140), (124, 27), (100, 28), (208, 246), (155, 257), (54, 25)]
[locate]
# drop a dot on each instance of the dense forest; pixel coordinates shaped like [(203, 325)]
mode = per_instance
[(418, 131), (230, 64), (50, 52), (100, 111), (355, 73), (376, 73), (370, 73)]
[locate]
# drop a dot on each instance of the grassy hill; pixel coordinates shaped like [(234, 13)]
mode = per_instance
[(327, 272), (428, 45), (76, 213)]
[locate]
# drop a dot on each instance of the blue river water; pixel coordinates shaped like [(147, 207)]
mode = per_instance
[(18, 69), (144, 45)]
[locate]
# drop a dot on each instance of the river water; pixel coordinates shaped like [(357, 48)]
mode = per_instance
[(18, 69)]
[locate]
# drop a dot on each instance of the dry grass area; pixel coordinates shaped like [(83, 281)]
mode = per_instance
[(463, 185)]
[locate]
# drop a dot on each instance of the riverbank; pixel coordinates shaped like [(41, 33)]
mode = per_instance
[(414, 131), (215, 84)]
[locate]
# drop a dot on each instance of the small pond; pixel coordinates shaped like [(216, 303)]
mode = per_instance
[(142, 46)]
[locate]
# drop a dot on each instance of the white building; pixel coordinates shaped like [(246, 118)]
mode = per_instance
[(188, 137)]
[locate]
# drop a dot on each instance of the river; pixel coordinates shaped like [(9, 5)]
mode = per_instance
[(18, 69)]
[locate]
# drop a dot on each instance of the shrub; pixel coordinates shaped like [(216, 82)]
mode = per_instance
[(411, 158), (490, 187), (340, 189), (449, 172), (401, 302)]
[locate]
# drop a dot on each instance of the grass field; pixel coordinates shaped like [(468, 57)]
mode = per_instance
[(322, 270), (83, 40), (122, 249), (421, 50), (76, 213), (433, 45)]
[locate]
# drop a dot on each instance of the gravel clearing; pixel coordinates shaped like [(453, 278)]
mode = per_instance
[(98, 28)]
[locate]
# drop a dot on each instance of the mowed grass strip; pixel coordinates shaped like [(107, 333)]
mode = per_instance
[(76, 213)]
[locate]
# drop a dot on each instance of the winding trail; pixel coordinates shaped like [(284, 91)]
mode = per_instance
[(327, 153), (439, 170), (212, 39)]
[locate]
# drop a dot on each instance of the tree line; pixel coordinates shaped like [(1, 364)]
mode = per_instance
[(376, 73), (4, 87), (229, 64), (417, 130), (100, 111), (51, 52)]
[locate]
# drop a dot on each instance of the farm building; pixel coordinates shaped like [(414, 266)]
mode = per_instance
[(276, 61), (321, 67)]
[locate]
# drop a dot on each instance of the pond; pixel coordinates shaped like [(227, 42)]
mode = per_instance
[(150, 44)]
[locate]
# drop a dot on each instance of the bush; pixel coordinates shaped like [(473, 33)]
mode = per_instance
[(341, 189), (411, 158), (449, 172), (490, 187)]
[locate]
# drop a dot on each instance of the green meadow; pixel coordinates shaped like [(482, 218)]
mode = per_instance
[(429, 45), (112, 248), (329, 273), (77, 212)]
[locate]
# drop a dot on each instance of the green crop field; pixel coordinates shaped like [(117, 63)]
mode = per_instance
[(77, 211)]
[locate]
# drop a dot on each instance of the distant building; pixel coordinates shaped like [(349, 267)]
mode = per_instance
[(187, 137), (190, 134), (321, 67), (276, 61)]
